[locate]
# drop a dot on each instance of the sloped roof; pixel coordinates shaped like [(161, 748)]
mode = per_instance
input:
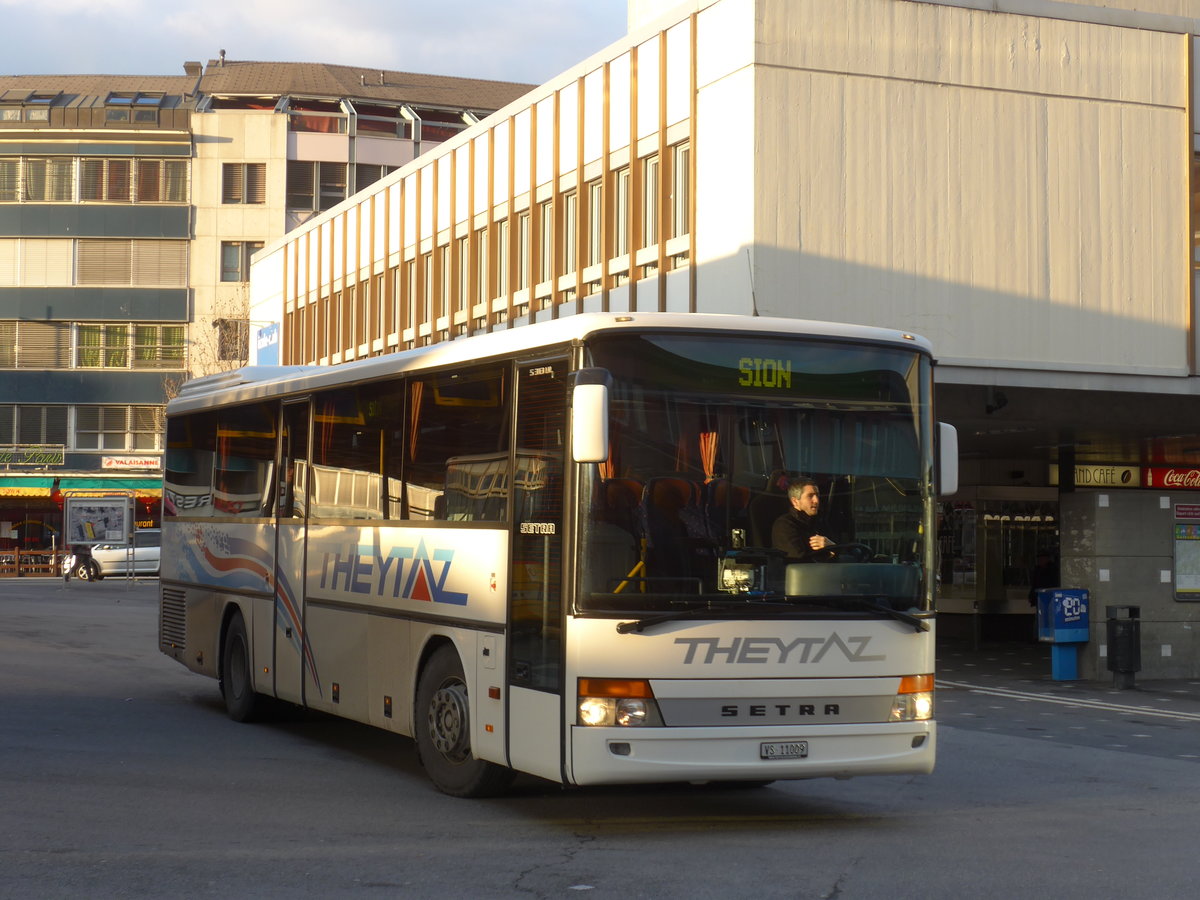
[(273, 79), (246, 78), (78, 90)]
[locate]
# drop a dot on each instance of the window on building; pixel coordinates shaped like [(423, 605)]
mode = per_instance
[(545, 241), (44, 345), (315, 186), (322, 116), (235, 259), (594, 238), (161, 181), (365, 175), (438, 125), (132, 106), (8, 346), (621, 186), (443, 283), (680, 189), (427, 272), (244, 183), (160, 346), (502, 257), (462, 263), (481, 292), (102, 346), (521, 280), (233, 339), (570, 232), (10, 181), (139, 263), (650, 195), (118, 427), (33, 425), (409, 314), (49, 180)]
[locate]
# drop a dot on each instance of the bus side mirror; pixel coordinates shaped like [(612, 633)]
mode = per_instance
[(589, 416), (947, 459)]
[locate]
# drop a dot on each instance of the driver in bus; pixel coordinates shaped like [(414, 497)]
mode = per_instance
[(795, 532)]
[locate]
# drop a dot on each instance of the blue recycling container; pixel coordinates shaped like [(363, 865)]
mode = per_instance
[(1062, 621)]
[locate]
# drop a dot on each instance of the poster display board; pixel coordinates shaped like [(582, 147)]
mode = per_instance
[(1187, 561), (95, 520)]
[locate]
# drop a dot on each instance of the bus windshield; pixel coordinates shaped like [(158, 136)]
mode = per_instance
[(706, 435)]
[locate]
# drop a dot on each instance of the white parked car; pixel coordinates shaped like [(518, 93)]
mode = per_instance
[(115, 559)]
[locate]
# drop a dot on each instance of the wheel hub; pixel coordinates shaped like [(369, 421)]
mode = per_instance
[(448, 723)]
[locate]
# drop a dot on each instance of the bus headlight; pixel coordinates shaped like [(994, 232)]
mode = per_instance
[(914, 700), (617, 701)]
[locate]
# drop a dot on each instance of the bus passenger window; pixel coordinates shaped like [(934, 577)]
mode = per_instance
[(457, 447), (347, 453), (187, 478), (245, 460)]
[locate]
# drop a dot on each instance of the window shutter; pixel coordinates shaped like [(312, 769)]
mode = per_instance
[(256, 183), (149, 180), (8, 261), (44, 345), (105, 262), (91, 179), (232, 187), (159, 263)]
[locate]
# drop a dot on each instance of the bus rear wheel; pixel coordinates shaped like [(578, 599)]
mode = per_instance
[(443, 732), (237, 681)]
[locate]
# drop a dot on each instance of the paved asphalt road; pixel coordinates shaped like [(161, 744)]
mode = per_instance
[(120, 776)]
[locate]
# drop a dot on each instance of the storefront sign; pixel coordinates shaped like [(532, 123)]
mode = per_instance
[(1102, 476), (32, 455), (1172, 479), (130, 462), (1187, 511)]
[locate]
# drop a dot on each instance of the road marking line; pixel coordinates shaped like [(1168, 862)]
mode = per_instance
[(1080, 702)]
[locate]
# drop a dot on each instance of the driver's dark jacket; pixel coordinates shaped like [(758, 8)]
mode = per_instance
[(791, 532)]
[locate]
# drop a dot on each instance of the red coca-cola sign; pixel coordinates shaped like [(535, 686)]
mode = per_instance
[(1175, 479)]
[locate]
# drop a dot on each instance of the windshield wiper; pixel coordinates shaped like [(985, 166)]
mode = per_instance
[(867, 604), (776, 605), (695, 612)]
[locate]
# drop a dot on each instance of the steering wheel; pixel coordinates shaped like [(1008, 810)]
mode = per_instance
[(853, 552)]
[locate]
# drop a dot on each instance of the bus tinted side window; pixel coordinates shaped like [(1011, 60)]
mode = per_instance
[(456, 447), (350, 427), (187, 481), (245, 460)]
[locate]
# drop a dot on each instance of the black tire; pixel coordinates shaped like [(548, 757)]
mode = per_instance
[(443, 732), (88, 571), (237, 680)]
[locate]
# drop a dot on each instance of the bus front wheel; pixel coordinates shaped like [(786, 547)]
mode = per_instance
[(237, 681), (443, 732)]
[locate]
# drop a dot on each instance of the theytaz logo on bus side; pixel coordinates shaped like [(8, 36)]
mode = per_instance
[(706, 651), (409, 572)]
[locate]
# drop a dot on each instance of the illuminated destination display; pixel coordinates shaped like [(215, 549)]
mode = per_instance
[(754, 371)]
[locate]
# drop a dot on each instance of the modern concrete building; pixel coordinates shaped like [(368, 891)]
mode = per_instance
[(129, 209), (1014, 179)]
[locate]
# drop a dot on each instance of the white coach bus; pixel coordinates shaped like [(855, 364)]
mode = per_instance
[(548, 549)]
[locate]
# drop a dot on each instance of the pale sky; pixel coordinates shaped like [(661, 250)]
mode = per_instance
[(507, 40)]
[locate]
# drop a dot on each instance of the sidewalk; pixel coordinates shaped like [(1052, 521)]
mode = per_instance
[(1025, 666)]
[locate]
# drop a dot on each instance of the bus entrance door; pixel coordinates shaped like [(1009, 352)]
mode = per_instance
[(535, 735), (291, 524)]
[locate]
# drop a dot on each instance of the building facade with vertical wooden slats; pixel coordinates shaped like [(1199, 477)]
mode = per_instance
[(1014, 179)]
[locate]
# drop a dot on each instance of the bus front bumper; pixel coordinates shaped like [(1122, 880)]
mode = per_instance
[(650, 754)]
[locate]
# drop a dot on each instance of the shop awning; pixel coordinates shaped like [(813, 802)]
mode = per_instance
[(80, 486)]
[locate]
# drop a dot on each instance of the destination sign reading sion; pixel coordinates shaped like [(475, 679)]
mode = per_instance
[(754, 371)]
